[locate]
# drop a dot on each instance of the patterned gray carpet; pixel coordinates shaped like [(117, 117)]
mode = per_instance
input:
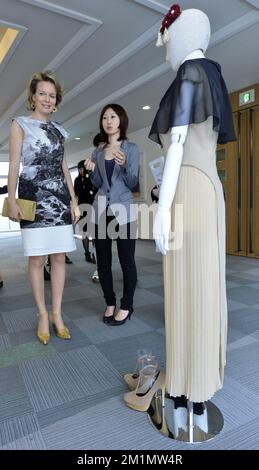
[(68, 394)]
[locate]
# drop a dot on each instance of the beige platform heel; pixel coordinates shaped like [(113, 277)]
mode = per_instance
[(148, 385)]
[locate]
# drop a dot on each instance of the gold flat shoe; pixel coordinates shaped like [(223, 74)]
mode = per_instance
[(43, 338)]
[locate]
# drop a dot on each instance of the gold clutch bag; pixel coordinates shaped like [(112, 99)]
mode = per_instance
[(27, 207)]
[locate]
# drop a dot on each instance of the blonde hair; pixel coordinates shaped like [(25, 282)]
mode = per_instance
[(37, 77)]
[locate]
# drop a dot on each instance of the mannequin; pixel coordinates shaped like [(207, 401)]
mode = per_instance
[(194, 115)]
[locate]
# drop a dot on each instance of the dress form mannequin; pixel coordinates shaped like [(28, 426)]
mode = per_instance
[(179, 47), (193, 116)]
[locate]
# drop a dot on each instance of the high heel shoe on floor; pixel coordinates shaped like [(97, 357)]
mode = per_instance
[(131, 380), (108, 319), (144, 358), (62, 333), (137, 400), (43, 337), (115, 322)]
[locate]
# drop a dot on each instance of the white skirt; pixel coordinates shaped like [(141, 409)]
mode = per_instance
[(48, 240)]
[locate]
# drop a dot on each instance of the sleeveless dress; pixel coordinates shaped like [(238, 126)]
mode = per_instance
[(42, 180), (194, 273)]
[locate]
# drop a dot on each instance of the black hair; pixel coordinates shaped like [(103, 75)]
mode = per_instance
[(81, 164), (124, 121), (98, 139)]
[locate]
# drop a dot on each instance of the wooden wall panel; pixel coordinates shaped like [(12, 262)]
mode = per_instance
[(254, 183)]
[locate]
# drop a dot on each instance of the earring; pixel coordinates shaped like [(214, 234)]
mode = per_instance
[(54, 109), (33, 106)]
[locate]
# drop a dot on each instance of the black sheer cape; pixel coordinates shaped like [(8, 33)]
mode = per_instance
[(198, 92)]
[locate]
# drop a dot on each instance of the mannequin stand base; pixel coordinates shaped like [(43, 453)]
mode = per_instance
[(184, 425)]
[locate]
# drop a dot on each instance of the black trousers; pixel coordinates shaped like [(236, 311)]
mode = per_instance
[(126, 253)]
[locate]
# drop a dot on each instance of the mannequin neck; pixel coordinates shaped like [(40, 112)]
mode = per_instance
[(198, 54)]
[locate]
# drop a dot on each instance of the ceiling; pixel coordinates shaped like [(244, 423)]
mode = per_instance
[(104, 51)]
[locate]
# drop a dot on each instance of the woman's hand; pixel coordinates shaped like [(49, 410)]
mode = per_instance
[(119, 157), (75, 211), (89, 164), (14, 212)]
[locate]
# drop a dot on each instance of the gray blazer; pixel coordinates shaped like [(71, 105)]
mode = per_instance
[(118, 197)]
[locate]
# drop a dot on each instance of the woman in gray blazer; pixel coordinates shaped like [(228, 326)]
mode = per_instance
[(114, 171)]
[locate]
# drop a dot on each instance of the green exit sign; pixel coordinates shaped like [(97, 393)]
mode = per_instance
[(246, 97)]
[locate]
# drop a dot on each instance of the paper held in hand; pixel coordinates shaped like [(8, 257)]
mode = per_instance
[(157, 169)]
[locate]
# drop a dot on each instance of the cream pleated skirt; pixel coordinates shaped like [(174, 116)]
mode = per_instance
[(192, 292)]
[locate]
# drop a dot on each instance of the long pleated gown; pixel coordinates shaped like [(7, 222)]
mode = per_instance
[(194, 274)]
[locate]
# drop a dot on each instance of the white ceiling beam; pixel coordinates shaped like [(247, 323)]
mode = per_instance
[(153, 5), (61, 10), (161, 8), (157, 72), (254, 3), (143, 40), (235, 27)]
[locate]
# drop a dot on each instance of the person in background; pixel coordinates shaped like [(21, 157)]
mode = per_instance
[(45, 178), (47, 266), (85, 192), (114, 171)]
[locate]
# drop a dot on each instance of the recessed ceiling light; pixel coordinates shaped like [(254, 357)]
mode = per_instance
[(77, 138), (7, 38), (145, 108)]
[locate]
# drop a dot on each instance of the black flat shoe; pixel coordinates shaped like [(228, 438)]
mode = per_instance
[(115, 322), (88, 257), (108, 319)]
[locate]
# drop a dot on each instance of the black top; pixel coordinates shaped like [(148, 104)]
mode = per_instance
[(198, 92), (84, 189), (109, 167), (3, 190)]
